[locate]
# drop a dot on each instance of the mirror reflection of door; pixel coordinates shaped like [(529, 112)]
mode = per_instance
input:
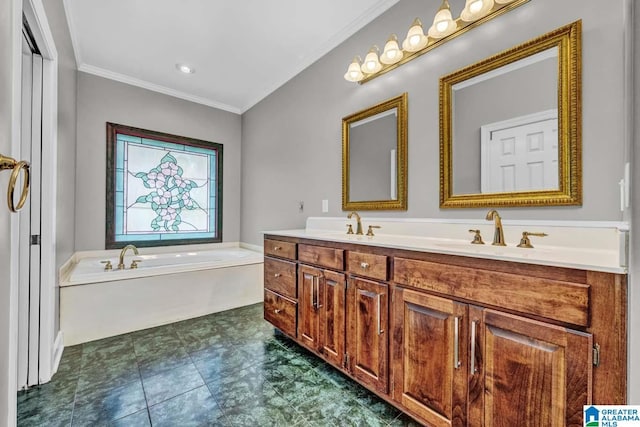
[(372, 157), (518, 91), (520, 154)]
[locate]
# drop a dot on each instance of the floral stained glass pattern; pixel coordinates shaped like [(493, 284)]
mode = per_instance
[(166, 191)]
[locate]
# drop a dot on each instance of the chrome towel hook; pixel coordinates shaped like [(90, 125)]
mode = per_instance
[(8, 163)]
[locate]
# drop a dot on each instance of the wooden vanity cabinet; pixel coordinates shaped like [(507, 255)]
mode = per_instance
[(451, 340)]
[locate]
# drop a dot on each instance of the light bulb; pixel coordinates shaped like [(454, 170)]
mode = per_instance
[(371, 62), (391, 53), (442, 26), (353, 73), (415, 39), (475, 6)]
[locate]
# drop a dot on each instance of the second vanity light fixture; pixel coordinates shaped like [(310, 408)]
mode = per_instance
[(416, 42)]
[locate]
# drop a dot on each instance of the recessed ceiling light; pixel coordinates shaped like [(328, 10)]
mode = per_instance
[(185, 69)]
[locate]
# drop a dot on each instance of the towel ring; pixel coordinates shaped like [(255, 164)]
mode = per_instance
[(7, 163)]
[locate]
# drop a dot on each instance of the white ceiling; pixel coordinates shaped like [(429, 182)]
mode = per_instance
[(241, 50)]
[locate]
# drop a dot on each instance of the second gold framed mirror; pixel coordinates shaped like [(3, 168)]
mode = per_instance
[(374, 157), (510, 126)]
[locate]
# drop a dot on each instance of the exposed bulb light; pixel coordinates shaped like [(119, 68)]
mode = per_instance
[(354, 74), (371, 62), (185, 69), (415, 39), (392, 52), (443, 23), (476, 9)]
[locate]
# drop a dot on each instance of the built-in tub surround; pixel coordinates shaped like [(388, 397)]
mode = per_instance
[(590, 245), (170, 284)]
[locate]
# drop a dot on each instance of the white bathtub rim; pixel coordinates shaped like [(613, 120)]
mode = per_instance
[(115, 275)]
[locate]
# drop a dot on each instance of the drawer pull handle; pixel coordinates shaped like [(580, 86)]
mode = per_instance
[(277, 311), (277, 248), (277, 275), (456, 344), (473, 347), (380, 330), (364, 265)]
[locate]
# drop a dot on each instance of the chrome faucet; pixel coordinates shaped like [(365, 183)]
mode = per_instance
[(122, 252), (498, 234), (358, 223)]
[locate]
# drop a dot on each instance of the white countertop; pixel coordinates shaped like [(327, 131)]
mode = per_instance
[(606, 253)]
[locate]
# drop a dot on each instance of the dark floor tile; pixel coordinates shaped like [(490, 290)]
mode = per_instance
[(52, 401), (333, 408), (106, 343), (308, 386), (108, 404), (47, 416), (122, 351), (266, 409), (238, 388), (157, 342), (164, 386), (139, 419), (218, 361), (157, 362), (157, 331), (110, 373), (194, 408)]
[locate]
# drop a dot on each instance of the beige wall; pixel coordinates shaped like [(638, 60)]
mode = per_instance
[(292, 139), (100, 101)]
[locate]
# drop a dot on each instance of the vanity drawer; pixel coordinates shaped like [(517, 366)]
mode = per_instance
[(280, 277), (554, 299), (280, 249), (367, 265), (280, 312), (324, 257)]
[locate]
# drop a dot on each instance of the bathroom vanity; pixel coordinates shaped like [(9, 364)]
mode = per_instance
[(450, 335)]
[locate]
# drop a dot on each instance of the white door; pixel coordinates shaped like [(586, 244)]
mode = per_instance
[(520, 154), (29, 250)]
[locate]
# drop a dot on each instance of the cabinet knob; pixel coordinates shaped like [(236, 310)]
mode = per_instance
[(277, 248), (364, 265), (277, 275), (277, 311)]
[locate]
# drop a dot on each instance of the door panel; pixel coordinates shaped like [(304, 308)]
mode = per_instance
[(367, 344), (332, 317), (430, 359), (534, 373), (308, 319)]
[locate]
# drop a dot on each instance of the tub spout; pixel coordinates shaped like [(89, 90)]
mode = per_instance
[(124, 250)]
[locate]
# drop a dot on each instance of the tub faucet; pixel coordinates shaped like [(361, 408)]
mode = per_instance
[(498, 235), (358, 224), (124, 250)]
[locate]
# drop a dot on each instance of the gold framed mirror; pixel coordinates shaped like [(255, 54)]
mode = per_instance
[(374, 157), (510, 126)]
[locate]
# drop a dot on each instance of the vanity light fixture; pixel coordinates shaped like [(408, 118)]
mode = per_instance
[(476, 9), (392, 52), (185, 69), (443, 23), (416, 39), (354, 73), (444, 28), (371, 64)]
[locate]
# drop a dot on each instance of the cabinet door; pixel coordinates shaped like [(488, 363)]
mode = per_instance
[(308, 318), (531, 373), (429, 357), (332, 316), (367, 322)]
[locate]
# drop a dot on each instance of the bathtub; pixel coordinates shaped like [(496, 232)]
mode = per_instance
[(166, 287)]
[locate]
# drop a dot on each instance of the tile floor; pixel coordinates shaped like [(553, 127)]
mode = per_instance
[(224, 369)]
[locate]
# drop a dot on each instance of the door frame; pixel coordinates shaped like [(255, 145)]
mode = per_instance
[(50, 340)]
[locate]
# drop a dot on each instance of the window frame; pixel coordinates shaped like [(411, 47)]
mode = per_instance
[(113, 130)]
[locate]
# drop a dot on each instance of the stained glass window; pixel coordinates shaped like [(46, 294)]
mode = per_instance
[(162, 189)]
